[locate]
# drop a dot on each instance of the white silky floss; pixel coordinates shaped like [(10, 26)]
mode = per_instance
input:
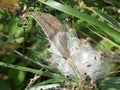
[(69, 54), (83, 58)]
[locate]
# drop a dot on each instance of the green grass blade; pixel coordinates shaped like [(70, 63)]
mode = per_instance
[(108, 42), (92, 21), (48, 74), (117, 2), (110, 20), (35, 62), (110, 83)]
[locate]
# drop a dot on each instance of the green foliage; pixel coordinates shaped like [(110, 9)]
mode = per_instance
[(96, 19), (111, 83), (17, 77), (4, 85)]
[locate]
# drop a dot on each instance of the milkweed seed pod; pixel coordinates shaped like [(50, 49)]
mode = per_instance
[(72, 56), (54, 30)]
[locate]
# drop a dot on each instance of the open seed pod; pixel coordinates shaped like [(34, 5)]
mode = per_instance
[(69, 54)]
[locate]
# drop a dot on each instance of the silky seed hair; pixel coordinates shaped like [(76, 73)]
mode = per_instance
[(69, 54)]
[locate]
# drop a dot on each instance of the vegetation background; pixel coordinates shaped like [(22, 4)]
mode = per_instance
[(24, 45)]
